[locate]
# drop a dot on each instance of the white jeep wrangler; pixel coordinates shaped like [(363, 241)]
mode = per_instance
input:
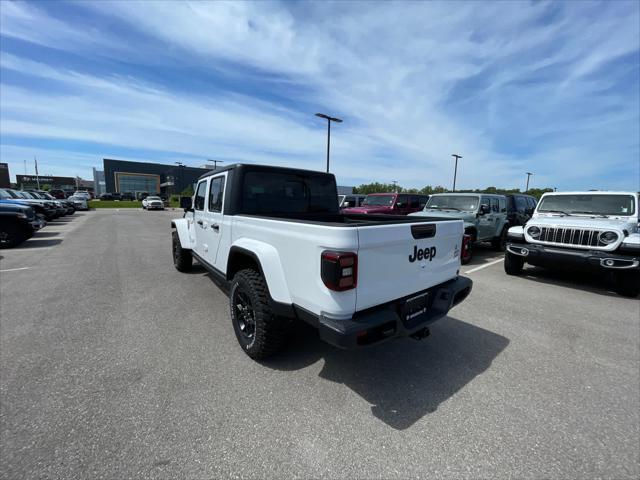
[(276, 239), (581, 230)]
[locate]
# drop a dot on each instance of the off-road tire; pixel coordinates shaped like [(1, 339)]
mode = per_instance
[(628, 284), (500, 243), (513, 264), (12, 234), (270, 332), (182, 258)]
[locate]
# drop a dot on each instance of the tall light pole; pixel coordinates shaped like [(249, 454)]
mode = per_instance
[(215, 163), (180, 165), (455, 172), (528, 175), (395, 186), (329, 120)]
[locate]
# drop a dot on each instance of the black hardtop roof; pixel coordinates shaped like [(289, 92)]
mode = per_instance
[(253, 166)]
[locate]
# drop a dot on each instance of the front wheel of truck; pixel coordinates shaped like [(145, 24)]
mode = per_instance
[(182, 258), (258, 330), (513, 264), (628, 284)]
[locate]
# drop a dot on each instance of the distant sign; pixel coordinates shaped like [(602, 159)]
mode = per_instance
[(45, 180)]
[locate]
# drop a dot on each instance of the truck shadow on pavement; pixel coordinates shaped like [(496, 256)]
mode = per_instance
[(403, 380)]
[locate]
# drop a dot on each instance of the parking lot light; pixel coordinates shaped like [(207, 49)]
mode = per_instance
[(329, 120)]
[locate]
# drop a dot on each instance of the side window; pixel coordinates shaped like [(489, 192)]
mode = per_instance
[(485, 201), (521, 204), (422, 201), (503, 204), (402, 200), (413, 202), (531, 202), (216, 192), (495, 208), (200, 195)]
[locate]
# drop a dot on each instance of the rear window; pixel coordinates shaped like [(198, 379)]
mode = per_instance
[(278, 192)]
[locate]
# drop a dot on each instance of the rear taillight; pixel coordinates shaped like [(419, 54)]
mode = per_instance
[(466, 247), (339, 270)]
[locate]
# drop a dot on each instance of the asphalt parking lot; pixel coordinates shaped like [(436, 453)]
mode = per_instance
[(115, 365)]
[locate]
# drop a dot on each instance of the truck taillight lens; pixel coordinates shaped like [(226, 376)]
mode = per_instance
[(466, 247), (339, 270)]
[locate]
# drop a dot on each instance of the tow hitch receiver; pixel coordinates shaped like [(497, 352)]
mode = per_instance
[(421, 334)]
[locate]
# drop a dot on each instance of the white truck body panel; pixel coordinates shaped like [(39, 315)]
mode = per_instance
[(297, 247), (385, 271)]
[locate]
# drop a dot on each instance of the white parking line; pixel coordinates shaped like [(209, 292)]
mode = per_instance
[(484, 266), (14, 269)]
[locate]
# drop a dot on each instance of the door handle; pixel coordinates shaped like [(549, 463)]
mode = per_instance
[(199, 222), (215, 226)]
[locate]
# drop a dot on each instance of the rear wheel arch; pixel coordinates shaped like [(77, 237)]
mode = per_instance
[(264, 259), (242, 259)]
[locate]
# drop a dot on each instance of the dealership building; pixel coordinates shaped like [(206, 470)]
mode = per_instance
[(124, 176), (121, 176)]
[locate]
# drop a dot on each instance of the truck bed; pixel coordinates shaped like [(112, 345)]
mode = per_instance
[(349, 220)]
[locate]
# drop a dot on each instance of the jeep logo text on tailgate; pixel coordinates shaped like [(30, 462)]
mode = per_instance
[(428, 253)]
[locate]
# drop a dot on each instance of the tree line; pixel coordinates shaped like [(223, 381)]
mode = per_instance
[(376, 187)]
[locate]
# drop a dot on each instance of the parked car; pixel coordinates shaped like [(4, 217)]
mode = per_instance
[(153, 203), (484, 216), (128, 196), (103, 196), (596, 231), (59, 194), (349, 201), (68, 206), (17, 224), (116, 196), (79, 203), (520, 208), (82, 193), (52, 210), (141, 195), (390, 203), (276, 238), (62, 209), (47, 209)]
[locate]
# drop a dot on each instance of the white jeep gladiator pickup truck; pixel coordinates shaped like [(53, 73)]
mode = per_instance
[(275, 240), (596, 231)]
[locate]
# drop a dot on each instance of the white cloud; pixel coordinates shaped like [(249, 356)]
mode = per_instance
[(414, 81)]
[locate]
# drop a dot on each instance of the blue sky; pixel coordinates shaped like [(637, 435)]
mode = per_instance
[(547, 87)]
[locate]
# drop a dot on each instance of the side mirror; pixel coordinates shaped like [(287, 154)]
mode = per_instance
[(484, 209), (186, 204)]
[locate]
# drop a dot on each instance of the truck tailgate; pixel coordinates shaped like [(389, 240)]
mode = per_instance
[(398, 260)]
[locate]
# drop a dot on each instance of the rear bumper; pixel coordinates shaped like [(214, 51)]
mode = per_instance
[(381, 323), (594, 260)]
